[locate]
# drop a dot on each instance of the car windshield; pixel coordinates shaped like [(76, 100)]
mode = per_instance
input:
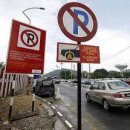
[(47, 82), (118, 85)]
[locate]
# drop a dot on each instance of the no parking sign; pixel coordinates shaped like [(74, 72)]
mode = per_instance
[(26, 49), (77, 22)]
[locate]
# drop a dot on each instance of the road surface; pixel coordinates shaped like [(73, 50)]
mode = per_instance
[(94, 117)]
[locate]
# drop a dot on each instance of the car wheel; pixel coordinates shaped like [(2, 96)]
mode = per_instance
[(88, 98), (106, 105)]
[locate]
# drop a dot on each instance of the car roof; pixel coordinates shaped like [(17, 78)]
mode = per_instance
[(108, 80)]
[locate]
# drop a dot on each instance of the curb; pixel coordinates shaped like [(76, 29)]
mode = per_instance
[(54, 111)]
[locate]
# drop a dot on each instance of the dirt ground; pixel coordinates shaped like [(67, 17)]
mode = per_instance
[(22, 105)]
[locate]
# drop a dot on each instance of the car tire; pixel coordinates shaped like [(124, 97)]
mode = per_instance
[(106, 105), (88, 98)]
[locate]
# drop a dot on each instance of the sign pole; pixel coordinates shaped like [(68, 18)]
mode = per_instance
[(79, 95), (82, 34)]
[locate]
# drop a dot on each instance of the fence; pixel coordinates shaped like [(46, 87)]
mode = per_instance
[(6, 82)]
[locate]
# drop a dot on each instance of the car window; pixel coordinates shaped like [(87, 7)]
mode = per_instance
[(95, 86), (101, 86), (118, 85), (47, 82)]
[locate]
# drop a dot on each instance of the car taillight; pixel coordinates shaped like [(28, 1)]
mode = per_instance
[(118, 95)]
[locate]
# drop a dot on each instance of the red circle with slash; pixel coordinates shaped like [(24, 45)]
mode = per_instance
[(25, 33), (89, 34)]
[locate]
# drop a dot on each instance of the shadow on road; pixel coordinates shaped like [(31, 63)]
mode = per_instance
[(116, 119)]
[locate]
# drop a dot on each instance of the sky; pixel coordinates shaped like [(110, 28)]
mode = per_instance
[(112, 36)]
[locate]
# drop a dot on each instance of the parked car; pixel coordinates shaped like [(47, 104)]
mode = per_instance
[(126, 80), (109, 93), (86, 82), (74, 81), (45, 87), (56, 81)]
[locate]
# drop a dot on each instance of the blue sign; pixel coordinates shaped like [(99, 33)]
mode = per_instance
[(37, 76)]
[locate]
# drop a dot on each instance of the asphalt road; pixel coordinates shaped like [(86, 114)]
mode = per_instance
[(94, 117)]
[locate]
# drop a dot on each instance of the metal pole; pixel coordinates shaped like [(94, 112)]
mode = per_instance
[(61, 70), (35, 76), (12, 97), (30, 9), (90, 72), (79, 95), (65, 73), (71, 71)]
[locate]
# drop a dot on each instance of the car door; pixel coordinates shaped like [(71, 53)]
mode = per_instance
[(93, 89), (100, 92)]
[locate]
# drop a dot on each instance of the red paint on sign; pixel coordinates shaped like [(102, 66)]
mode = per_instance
[(67, 8), (25, 32), (89, 54), (25, 60), (84, 53)]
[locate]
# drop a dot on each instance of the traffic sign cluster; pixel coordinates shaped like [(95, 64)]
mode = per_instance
[(78, 23)]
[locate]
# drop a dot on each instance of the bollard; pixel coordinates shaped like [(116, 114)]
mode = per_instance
[(12, 97)]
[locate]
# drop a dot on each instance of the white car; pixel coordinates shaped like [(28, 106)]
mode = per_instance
[(109, 93)]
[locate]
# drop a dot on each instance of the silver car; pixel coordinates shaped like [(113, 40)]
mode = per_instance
[(109, 93)]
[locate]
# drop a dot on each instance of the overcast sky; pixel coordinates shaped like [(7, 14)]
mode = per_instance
[(113, 34)]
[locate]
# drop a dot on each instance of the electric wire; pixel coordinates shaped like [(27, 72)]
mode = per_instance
[(116, 54)]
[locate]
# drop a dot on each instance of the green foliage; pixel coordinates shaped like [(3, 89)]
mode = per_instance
[(126, 74), (66, 74), (114, 74), (100, 73)]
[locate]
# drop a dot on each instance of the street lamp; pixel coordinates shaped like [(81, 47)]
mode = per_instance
[(35, 76), (30, 9)]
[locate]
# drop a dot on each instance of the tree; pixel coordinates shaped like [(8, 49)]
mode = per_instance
[(63, 74), (126, 74), (66, 74), (100, 73), (114, 74)]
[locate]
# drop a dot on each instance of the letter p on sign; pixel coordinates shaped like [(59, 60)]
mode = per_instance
[(81, 15), (77, 22)]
